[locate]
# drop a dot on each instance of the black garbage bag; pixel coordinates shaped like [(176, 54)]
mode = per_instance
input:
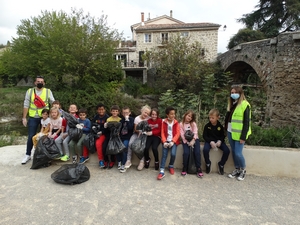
[(138, 145), (71, 174), (71, 120), (191, 164), (143, 126), (75, 133), (45, 151), (188, 135), (115, 144), (89, 142)]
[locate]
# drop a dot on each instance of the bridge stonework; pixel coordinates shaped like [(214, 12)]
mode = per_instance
[(277, 63)]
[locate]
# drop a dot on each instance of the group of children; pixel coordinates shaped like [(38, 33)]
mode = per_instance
[(168, 131)]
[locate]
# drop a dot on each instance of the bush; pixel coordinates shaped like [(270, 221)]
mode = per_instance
[(287, 137)]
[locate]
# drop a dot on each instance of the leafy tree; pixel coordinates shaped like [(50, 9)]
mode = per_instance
[(245, 35), (179, 65), (70, 50), (273, 17)]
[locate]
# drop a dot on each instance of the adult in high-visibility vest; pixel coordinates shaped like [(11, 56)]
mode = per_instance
[(237, 122), (34, 111)]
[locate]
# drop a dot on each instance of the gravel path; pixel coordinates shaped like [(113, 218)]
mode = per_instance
[(109, 197)]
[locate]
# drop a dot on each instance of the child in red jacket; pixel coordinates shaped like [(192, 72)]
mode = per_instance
[(170, 134)]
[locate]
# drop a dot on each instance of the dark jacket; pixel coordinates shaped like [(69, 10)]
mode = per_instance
[(213, 133), (99, 123), (129, 125)]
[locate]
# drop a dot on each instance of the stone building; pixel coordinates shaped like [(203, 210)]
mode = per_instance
[(154, 33)]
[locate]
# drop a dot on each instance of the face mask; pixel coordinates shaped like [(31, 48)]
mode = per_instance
[(235, 96), (39, 85)]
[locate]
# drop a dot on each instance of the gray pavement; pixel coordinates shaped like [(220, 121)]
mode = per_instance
[(137, 197)]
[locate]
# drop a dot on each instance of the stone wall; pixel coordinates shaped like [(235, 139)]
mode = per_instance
[(207, 38), (276, 61)]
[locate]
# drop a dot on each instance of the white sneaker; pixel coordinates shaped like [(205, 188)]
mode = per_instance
[(119, 165), (123, 169), (128, 164), (26, 159)]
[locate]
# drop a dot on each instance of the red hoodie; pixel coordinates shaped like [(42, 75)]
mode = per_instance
[(155, 126)]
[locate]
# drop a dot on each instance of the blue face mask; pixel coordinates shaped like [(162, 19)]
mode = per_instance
[(235, 96)]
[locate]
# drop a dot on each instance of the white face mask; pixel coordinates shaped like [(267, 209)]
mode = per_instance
[(235, 96)]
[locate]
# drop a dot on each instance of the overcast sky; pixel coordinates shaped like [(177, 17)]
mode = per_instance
[(124, 13)]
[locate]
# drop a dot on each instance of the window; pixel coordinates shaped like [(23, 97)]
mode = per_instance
[(147, 38), (164, 37), (184, 34)]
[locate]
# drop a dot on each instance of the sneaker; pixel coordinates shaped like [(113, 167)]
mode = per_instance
[(208, 168), (123, 169), (119, 165), (58, 157), (101, 164), (220, 169), (105, 165), (128, 164), (111, 165), (156, 165), (65, 158), (234, 174), (199, 173), (160, 176), (141, 165), (147, 163), (83, 159), (26, 159), (183, 173), (171, 170), (242, 175), (74, 159)]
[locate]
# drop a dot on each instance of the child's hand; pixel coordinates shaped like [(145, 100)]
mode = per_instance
[(213, 144), (166, 144), (105, 125), (219, 143), (171, 144), (191, 143)]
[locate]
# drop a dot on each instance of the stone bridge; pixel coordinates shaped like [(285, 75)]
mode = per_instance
[(277, 63)]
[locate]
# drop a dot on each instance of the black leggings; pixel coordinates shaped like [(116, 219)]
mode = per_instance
[(154, 141)]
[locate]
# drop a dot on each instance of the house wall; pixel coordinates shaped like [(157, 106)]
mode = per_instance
[(207, 38)]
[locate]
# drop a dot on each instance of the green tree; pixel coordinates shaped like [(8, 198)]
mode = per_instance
[(273, 17), (245, 35), (69, 50), (179, 65)]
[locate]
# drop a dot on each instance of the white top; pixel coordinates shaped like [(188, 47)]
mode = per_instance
[(170, 133), (45, 122)]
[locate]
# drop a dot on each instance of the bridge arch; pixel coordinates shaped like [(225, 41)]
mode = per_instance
[(277, 63)]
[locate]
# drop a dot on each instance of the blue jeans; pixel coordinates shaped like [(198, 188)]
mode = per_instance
[(122, 157), (33, 125), (186, 154), (237, 152), (165, 155), (223, 147)]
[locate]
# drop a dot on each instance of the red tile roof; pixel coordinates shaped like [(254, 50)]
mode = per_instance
[(184, 26)]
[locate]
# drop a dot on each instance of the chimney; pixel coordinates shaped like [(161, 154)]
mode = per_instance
[(171, 13), (142, 18)]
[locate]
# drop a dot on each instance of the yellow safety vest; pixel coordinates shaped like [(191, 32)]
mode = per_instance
[(237, 121), (33, 110)]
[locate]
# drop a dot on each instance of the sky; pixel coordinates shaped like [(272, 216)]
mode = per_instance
[(121, 14)]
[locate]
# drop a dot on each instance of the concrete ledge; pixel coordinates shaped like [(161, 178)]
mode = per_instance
[(263, 161)]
